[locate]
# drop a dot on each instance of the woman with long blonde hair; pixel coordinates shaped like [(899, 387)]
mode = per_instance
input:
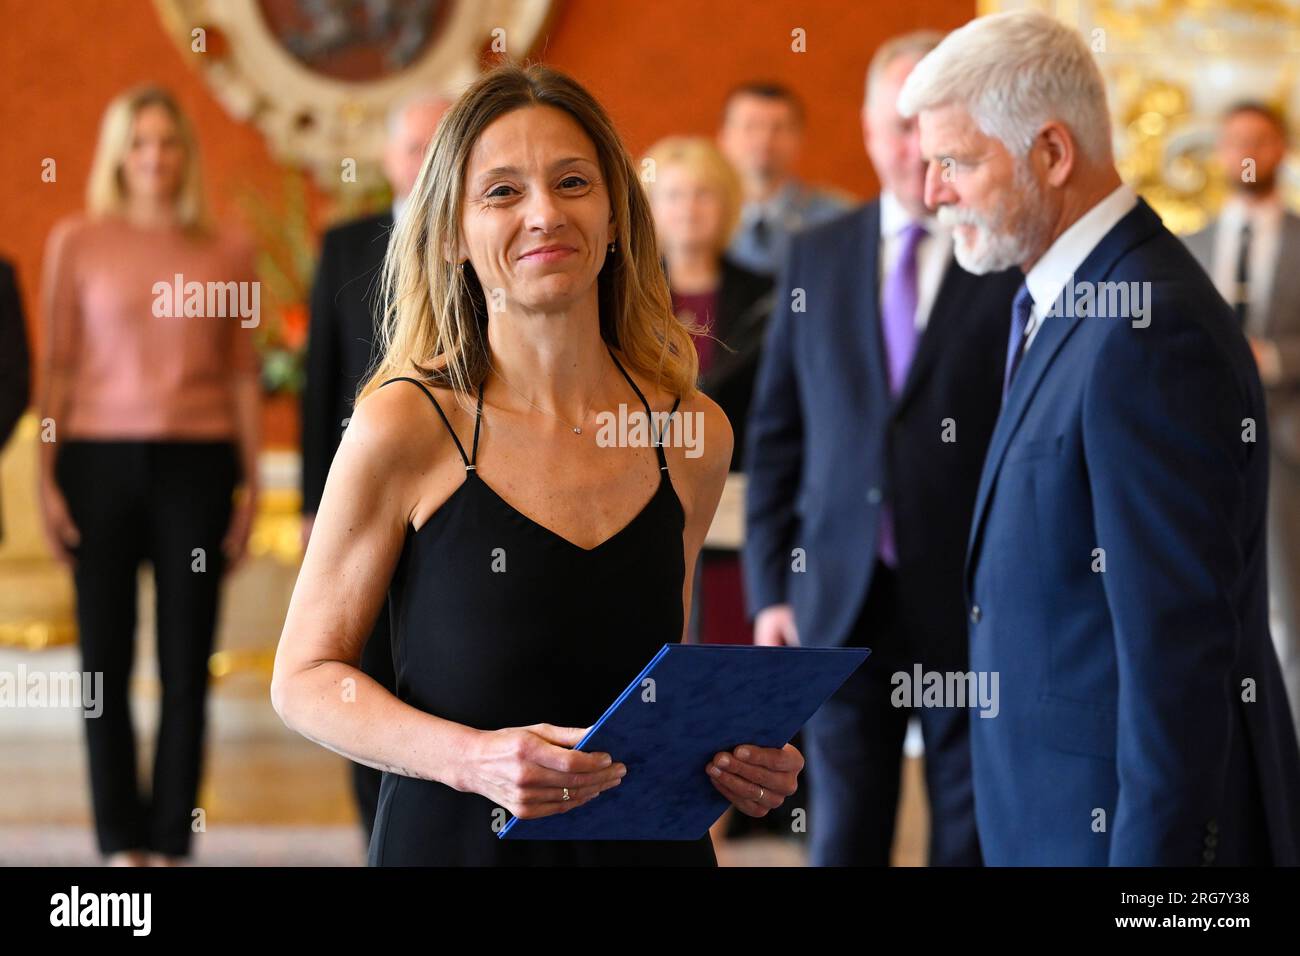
[(150, 404), (534, 557)]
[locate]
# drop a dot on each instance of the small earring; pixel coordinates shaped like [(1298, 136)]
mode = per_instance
[(612, 245), (461, 267)]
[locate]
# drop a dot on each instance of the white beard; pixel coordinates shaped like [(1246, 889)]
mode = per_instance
[(990, 251), (997, 245)]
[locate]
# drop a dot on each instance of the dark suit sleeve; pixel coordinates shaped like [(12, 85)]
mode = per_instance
[(1163, 437), (773, 455), (15, 360), (319, 397)]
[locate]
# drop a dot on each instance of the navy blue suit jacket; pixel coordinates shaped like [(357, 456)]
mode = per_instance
[(1142, 713), (827, 446)]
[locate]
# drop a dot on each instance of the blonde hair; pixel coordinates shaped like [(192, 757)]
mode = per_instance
[(435, 310), (106, 189), (700, 157)]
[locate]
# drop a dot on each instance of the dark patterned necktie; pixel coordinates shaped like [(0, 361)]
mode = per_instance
[(1021, 307), (1242, 305)]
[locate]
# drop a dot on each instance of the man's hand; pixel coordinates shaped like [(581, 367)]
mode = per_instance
[(774, 627)]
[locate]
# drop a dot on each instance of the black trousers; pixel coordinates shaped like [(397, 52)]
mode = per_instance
[(855, 751), (168, 503)]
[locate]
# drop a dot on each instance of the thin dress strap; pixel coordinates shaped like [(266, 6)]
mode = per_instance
[(659, 442), (478, 420), (469, 464)]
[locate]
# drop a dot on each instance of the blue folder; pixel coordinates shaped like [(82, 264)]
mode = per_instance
[(691, 702)]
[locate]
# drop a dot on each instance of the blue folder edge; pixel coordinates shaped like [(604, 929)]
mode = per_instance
[(514, 828)]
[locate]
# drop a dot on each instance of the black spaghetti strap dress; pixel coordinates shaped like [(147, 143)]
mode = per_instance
[(554, 638)]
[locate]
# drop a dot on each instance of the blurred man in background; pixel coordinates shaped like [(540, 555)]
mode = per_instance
[(761, 136), (1252, 252)]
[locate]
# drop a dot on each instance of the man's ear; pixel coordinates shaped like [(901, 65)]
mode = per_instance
[(1058, 153)]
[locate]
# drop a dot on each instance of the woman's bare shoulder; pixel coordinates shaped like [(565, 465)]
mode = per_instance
[(400, 445), (698, 434), (401, 424), (706, 437)]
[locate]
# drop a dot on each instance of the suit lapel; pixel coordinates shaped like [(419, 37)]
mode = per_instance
[(1136, 226), (1051, 336), (864, 307), (942, 313)]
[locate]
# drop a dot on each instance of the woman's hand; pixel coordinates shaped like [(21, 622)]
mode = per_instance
[(756, 779), (525, 770), (61, 534)]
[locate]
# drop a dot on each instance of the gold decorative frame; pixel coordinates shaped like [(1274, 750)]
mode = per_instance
[(317, 121)]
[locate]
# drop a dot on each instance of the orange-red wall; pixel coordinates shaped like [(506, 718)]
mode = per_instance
[(658, 67)]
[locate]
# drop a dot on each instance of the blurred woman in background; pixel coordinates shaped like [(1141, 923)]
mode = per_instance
[(696, 197), (150, 418)]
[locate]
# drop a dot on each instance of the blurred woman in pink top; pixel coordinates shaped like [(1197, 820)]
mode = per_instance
[(149, 410)]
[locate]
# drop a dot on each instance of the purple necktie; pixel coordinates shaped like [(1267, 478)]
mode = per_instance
[(898, 318), (898, 307)]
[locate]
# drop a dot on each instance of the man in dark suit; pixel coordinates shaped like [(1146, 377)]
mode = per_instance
[(1116, 568), (877, 393), (345, 304), (15, 365), (1252, 252)]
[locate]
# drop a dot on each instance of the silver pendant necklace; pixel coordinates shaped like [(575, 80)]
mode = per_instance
[(576, 429)]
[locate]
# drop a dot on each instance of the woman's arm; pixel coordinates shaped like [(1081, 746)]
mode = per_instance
[(246, 397), (317, 687), (61, 318), (393, 453)]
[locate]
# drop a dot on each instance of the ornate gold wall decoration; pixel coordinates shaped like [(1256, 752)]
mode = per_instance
[(317, 77), (37, 604), (1171, 67)]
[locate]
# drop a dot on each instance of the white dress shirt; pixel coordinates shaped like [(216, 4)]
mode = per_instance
[(932, 253), (1052, 272), (1265, 219), (1265, 238)]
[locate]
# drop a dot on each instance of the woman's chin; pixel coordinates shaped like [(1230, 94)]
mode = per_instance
[(551, 294)]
